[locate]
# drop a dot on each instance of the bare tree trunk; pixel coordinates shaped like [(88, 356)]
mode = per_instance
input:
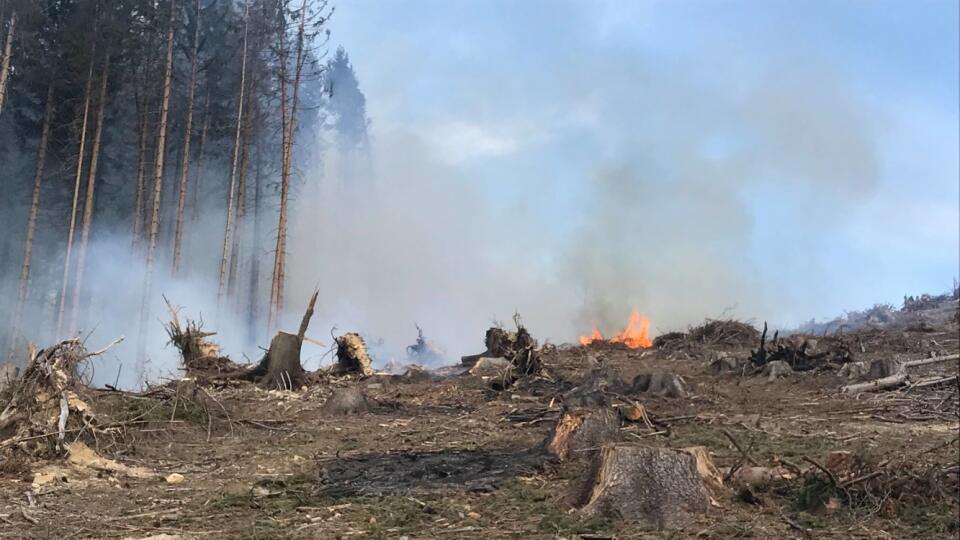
[(5, 63), (272, 309), (76, 195), (185, 162), (203, 141), (141, 167), (255, 256), (228, 228), (88, 202), (241, 198), (279, 265), (31, 223), (157, 184)]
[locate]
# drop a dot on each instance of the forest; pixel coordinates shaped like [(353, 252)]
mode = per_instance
[(166, 138)]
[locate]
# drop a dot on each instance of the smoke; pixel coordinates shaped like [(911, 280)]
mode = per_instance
[(417, 244), (664, 219)]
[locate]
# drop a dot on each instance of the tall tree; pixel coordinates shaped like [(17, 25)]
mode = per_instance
[(289, 122), (228, 228), (32, 220), (157, 182), (91, 189), (187, 132), (347, 107), (5, 61), (76, 191)]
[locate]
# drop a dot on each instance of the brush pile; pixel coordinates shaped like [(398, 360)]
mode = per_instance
[(45, 404), (201, 357), (519, 348)]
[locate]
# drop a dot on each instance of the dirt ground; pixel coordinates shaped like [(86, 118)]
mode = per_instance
[(454, 458)]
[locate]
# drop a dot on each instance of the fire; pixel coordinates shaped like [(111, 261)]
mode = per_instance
[(636, 335)]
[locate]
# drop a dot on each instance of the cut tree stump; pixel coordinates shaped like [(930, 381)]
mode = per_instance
[(662, 384), (345, 401), (776, 370), (352, 355), (658, 488), (884, 367), (280, 367), (580, 431)]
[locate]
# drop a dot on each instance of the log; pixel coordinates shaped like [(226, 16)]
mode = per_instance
[(892, 381), (658, 488), (580, 431), (927, 361)]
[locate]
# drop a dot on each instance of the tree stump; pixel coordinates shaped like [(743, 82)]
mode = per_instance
[(280, 367), (884, 367), (345, 401), (662, 384), (776, 369), (658, 488), (352, 355), (579, 431)]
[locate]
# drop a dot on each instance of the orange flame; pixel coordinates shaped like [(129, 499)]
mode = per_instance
[(636, 335)]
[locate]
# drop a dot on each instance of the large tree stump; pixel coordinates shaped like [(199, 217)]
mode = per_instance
[(579, 431), (656, 487), (280, 367), (352, 355)]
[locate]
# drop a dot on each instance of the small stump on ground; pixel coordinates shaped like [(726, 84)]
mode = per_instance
[(661, 384), (776, 370), (658, 488), (579, 431), (345, 401)]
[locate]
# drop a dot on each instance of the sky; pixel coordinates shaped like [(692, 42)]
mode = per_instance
[(767, 160)]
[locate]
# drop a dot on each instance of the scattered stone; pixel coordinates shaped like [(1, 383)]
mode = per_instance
[(174, 478)]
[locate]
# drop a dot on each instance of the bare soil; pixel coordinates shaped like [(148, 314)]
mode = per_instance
[(453, 458)]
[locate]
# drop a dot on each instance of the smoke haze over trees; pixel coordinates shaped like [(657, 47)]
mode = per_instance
[(456, 161)]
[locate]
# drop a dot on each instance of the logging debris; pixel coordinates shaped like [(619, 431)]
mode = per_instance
[(519, 348)]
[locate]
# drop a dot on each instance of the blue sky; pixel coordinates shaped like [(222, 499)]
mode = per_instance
[(793, 159)]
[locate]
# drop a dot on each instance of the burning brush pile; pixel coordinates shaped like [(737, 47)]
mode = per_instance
[(636, 335)]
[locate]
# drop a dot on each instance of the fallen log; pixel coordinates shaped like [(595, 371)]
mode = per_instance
[(927, 361), (658, 488), (893, 381)]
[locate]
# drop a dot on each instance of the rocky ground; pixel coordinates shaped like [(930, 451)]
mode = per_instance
[(459, 456)]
